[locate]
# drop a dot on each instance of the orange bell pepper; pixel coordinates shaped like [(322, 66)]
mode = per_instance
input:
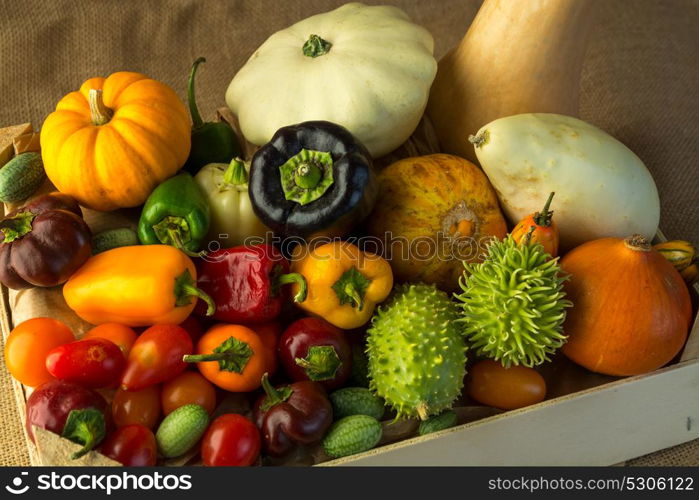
[(233, 357), (137, 285)]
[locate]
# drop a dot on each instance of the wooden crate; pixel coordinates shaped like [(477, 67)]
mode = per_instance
[(601, 425)]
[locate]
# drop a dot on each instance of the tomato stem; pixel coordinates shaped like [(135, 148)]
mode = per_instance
[(543, 218)]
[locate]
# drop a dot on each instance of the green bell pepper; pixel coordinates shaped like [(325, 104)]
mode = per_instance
[(176, 213), (212, 142)]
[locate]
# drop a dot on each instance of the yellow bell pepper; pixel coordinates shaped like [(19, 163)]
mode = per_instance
[(344, 283)]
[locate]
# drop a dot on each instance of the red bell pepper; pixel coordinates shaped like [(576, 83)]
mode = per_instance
[(245, 282)]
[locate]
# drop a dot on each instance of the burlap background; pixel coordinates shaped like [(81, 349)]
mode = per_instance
[(639, 83)]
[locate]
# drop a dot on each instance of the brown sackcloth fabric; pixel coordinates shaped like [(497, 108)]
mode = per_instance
[(639, 83)]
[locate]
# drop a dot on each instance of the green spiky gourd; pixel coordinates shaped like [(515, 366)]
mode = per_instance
[(417, 356), (513, 304)]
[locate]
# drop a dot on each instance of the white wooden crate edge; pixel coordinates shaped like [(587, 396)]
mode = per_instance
[(604, 425)]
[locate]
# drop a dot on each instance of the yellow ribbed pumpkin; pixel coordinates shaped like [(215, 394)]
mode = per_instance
[(110, 143)]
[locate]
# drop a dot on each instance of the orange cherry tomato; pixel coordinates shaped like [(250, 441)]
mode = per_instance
[(231, 357), (27, 346), (137, 407), (505, 388), (269, 333), (188, 388), (121, 335)]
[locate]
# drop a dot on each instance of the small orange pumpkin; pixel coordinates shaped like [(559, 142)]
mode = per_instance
[(110, 143), (631, 310)]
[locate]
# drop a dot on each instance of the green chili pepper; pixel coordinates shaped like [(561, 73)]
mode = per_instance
[(176, 213), (212, 142)]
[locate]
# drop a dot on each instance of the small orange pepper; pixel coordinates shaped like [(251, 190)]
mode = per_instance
[(539, 227), (138, 285), (232, 357)]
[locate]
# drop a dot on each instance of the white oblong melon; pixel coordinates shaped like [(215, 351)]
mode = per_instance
[(602, 188)]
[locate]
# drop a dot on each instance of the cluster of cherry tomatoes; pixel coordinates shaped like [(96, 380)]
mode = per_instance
[(146, 377)]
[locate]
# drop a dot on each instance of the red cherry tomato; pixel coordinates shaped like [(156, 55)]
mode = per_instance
[(491, 384), (121, 335), (92, 363), (188, 388), (137, 407), (27, 346), (231, 440), (156, 356), (313, 349), (132, 445)]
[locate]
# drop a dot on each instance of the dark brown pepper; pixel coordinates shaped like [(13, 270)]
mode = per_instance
[(296, 414), (43, 243)]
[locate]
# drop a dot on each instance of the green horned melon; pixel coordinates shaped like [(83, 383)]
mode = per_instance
[(417, 356), (513, 304)]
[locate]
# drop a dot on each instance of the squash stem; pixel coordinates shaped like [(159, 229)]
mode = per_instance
[(315, 46), (638, 243), (479, 139), (99, 113), (191, 99)]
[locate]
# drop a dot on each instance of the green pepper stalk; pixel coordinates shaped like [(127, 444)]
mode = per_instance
[(212, 142), (177, 214)]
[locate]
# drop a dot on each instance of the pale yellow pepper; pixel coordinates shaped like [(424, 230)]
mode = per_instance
[(233, 220)]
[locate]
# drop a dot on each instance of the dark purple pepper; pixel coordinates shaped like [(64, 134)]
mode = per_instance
[(43, 243), (295, 414)]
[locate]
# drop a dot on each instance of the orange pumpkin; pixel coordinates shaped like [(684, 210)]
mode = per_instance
[(631, 309), (110, 143), (433, 213)]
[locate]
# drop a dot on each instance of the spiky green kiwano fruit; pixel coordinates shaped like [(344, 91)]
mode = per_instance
[(514, 304), (417, 356)]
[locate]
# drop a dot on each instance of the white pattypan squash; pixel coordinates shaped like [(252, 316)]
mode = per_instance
[(367, 68)]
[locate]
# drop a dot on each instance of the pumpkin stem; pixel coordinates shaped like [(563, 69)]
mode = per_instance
[(638, 243), (543, 218), (99, 113), (191, 100)]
